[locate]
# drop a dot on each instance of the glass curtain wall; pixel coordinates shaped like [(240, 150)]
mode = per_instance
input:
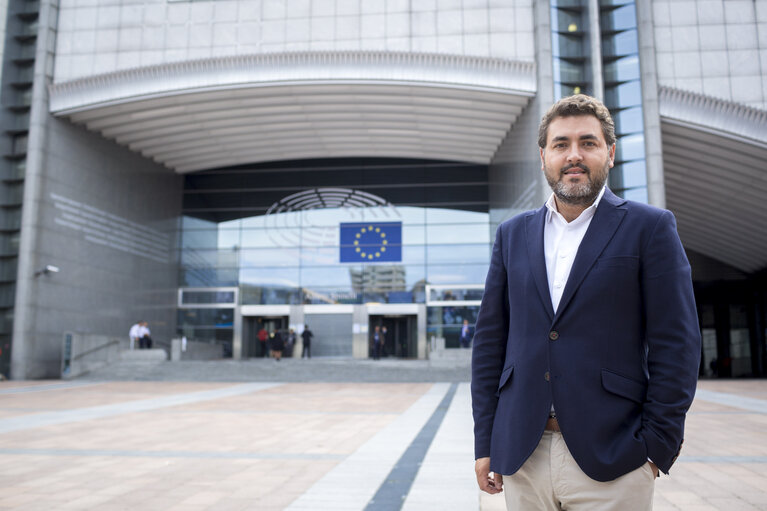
[(570, 48), (347, 231), (623, 96), (621, 77)]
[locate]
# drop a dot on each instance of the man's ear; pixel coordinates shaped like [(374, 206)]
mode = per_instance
[(543, 165), (612, 155)]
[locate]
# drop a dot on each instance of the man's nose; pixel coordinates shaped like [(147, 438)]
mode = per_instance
[(574, 154)]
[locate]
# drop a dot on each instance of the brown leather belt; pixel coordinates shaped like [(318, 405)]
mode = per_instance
[(552, 425)]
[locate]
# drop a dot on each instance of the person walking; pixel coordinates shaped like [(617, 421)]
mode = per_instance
[(307, 335), (587, 344)]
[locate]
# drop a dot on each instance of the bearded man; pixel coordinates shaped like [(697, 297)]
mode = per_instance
[(587, 345)]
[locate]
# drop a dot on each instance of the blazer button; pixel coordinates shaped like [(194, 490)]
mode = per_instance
[(547, 376), (553, 335)]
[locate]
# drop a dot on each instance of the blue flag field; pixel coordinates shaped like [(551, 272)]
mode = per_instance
[(371, 242)]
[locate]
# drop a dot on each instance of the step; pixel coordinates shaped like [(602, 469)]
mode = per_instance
[(147, 356)]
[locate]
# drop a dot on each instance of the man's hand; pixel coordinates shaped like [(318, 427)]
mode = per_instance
[(654, 468), (487, 483)]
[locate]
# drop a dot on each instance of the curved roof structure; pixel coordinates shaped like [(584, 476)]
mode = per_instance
[(234, 110), (715, 150)]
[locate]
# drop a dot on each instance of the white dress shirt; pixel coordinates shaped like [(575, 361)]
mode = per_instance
[(561, 240)]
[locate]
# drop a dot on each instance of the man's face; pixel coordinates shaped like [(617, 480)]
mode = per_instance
[(576, 159)]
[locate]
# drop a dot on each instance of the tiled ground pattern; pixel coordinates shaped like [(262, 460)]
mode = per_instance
[(263, 450)]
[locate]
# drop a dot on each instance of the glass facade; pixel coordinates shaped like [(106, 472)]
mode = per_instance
[(570, 47), (571, 51), (623, 96), (276, 232)]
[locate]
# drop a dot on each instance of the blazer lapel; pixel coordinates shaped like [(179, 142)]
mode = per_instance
[(534, 232), (607, 218)]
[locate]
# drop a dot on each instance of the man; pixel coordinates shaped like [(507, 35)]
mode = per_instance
[(465, 334), (587, 346), (378, 342), (134, 335), (307, 335), (145, 336)]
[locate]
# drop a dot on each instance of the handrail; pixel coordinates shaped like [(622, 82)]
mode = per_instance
[(93, 350)]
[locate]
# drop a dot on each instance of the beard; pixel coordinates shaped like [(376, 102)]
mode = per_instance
[(578, 194)]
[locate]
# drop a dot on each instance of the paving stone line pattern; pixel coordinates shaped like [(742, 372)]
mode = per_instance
[(191, 444), (394, 490)]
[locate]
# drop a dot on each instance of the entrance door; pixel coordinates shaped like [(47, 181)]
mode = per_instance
[(400, 337), (252, 325)]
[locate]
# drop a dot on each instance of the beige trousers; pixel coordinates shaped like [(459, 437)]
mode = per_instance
[(551, 480)]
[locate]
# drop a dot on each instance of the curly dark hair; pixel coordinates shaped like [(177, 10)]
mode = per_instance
[(579, 104)]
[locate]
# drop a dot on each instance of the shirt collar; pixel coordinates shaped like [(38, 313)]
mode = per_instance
[(551, 207)]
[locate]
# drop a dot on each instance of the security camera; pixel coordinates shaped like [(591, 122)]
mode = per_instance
[(49, 268)]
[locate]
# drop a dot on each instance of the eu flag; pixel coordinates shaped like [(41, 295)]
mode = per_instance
[(371, 242)]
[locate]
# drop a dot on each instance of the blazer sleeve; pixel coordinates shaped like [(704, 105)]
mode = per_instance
[(673, 341), (489, 349)]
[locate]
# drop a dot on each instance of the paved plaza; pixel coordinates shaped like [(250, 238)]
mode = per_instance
[(327, 434)]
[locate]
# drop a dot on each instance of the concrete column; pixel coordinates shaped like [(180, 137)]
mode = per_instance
[(26, 285), (656, 187), (595, 42), (423, 343), (360, 336), (544, 76)]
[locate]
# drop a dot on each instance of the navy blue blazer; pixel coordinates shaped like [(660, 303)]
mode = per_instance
[(619, 359)]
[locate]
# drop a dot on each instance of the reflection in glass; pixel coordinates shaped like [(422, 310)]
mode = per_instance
[(636, 194), (630, 174), (456, 274), (622, 43), (628, 121), (622, 18), (622, 70), (293, 257), (630, 147), (624, 95), (568, 72), (568, 46), (459, 233), (446, 322), (467, 253)]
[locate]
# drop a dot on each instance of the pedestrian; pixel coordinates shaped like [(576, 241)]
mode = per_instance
[(587, 345), (276, 345), (263, 336), (378, 342), (290, 342), (465, 334), (133, 334), (307, 335), (145, 336)]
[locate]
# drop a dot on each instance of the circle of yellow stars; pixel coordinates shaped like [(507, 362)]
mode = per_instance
[(371, 255)]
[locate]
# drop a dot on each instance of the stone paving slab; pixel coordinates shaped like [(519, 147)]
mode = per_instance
[(212, 445)]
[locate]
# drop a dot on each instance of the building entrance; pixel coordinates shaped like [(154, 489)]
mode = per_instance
[(253, 347), (400, 338)]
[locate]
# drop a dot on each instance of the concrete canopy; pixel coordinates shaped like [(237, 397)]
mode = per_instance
[(220, 112), (714, 155)]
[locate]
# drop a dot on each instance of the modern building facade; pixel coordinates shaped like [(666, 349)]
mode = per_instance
[(217, 166)]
